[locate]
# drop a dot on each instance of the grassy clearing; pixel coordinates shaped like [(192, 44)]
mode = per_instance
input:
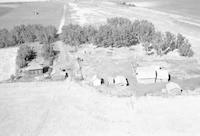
[(50, 13)]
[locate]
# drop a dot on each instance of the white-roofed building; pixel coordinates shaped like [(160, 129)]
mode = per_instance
[(162, 76), (146, 75)]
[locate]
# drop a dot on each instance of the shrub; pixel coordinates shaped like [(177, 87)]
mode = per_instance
[(24, 55)]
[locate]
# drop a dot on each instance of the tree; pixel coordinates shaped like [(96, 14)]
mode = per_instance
[(6, 39), (89, 33), (183, 46), (24, 55), (104, 36), (17, 33), (185, 49), (73, 35), (145, 30), (158, 43), (170, 41), (47, 51)]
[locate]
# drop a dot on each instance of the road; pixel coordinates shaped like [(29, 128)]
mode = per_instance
[(62, 21)]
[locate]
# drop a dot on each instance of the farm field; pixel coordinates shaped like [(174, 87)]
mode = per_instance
[(50, 13)]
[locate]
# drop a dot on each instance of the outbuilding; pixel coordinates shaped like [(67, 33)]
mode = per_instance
[(162, 76), (121, 80), (152, 74), (146, 75), (111, 81), (96, 81), (173, 88), (34, 69)]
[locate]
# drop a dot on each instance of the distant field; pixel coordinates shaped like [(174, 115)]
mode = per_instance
[(50, 13), (4, 10)]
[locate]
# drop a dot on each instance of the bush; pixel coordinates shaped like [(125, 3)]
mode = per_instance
[(24, 55)]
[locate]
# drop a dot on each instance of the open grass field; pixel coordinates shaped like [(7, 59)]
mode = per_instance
[(69, 109), (8, 63), (50, 13)]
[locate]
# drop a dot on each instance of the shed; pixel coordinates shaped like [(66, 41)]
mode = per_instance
[(59, 75), (96, 81), (173, 88), (146, 75), (111, 81), (162, 76), (121, 80), (34, 69)]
